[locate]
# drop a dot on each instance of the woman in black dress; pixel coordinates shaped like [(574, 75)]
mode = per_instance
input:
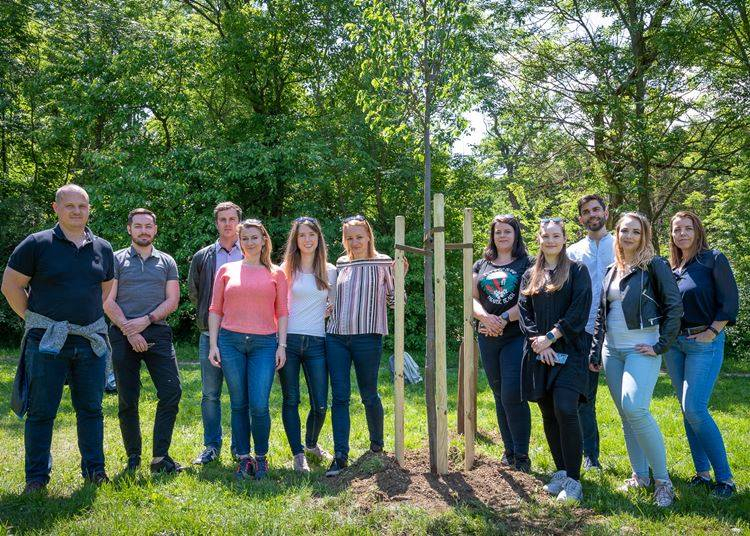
[(554, 304)]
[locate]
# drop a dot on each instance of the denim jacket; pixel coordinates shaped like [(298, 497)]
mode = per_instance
[(650, 298)]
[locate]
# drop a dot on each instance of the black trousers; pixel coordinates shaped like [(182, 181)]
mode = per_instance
[(559, 409), (161, 363)]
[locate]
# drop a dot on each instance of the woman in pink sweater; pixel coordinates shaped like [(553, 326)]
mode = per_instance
[(247, 326)]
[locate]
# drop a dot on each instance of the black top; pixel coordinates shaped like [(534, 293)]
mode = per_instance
[(566, 309), (709, 290), (499, 286), (66, 281)]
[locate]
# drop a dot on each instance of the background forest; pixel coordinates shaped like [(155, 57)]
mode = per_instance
[(326, 107)]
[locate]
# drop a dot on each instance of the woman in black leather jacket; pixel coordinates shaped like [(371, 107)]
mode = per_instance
[(639, 318)]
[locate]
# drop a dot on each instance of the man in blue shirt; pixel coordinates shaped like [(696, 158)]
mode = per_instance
[(67, 271), (596, 251), (203, 267)]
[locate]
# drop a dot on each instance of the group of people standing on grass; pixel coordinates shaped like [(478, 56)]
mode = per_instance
[(546, 327)]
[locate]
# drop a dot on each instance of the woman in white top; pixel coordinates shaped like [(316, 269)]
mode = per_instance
[(638, 319), (311, 291)]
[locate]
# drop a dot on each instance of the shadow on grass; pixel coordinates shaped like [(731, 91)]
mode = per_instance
[(39, 511), (601, 496)]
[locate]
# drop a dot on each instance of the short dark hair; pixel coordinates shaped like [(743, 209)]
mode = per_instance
[(591, 197), (519, 247), (137, 211), (227, 205)]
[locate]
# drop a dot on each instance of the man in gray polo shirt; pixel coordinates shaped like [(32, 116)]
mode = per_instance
[(146, 290), (597, 251)]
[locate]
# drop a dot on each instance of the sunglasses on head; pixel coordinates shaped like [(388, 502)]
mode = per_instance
[(306, 219), (505, 217), (551, 220), (251, 222), (356, 217)]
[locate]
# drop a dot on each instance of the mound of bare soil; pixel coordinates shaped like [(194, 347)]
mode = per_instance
[(377, 478)]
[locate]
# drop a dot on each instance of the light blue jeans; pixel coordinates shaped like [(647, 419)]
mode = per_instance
[(631, 377), (694, 367)]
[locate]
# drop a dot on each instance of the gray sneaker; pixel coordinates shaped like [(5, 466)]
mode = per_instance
[(572, 491), (300, 463), (318, 455), (663, 493), (555, 485)]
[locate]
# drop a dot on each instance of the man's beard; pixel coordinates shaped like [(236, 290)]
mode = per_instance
[(143, 241), (595, 224)]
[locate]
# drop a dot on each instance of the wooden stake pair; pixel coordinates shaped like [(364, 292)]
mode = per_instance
[(468, 376)]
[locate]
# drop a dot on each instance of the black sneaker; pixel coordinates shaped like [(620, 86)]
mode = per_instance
[(374, 447), (246, 469), (508, 459), (724, 490), (207, 456), (522, 463), (34, 486), (134, 462), (699, 481), (99, 478), (166, 466), (338, 464)]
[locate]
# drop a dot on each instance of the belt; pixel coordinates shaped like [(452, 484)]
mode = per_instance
[(693, 331)]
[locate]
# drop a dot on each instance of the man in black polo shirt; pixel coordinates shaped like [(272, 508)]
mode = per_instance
[(67, 271), (146, 290)]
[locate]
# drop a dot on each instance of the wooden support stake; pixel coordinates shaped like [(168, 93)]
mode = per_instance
[(441, 388), (398, 343), (470, 385)]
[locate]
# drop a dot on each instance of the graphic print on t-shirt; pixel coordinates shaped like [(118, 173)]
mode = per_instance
[(501, 285)]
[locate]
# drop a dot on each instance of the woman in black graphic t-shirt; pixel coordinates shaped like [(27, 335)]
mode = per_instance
[(497, 282)]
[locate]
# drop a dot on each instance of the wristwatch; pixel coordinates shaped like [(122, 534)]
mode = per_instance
[(282, 345), (551, 336), (151, 318), (716, 331), (505, 316)]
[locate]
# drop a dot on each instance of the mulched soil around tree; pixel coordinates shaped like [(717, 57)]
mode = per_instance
[(514, 498)]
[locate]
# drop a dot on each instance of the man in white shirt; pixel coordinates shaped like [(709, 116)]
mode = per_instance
[(597, 251)]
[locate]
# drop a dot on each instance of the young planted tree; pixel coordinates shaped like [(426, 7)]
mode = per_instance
[(418, 58)]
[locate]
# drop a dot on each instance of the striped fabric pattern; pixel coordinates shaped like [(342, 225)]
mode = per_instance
[(364, 290)]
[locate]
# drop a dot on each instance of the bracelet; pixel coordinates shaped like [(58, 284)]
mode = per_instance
[(151, 318), (282, 345), (716, 332)]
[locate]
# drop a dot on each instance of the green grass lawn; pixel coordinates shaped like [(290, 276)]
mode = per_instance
[(209, 500)]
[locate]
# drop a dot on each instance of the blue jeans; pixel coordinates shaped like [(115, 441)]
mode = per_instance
[(694, 367), (249, 364), (84, 371), (211, 382), (587, 411), (502, 360), (309, 353), (631, 377), (365, 352)]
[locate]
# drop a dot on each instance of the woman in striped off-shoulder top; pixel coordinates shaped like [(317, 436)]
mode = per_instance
[(364, 288)]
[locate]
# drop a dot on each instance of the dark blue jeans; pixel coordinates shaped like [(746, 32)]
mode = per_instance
[(212, 379), (249, 364), (502, 360), (309, 353), (84, 371), (365, 352), (587, 411)]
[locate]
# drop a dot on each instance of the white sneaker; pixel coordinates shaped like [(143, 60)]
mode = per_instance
[(634, 482), (572, 491), (663, 493), (555, 485), (300, 463), (317, 454)]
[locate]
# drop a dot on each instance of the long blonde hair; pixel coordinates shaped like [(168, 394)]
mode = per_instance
[(265, 250), (293, 256), (676, 256), (538, 280), (645, 252), (361, 221)]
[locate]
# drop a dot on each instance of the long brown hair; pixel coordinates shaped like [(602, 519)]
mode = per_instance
[(293, 255), (519, 248), (539, 280), (354, 221), (676, 257), (645, 252), (266, 248)]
